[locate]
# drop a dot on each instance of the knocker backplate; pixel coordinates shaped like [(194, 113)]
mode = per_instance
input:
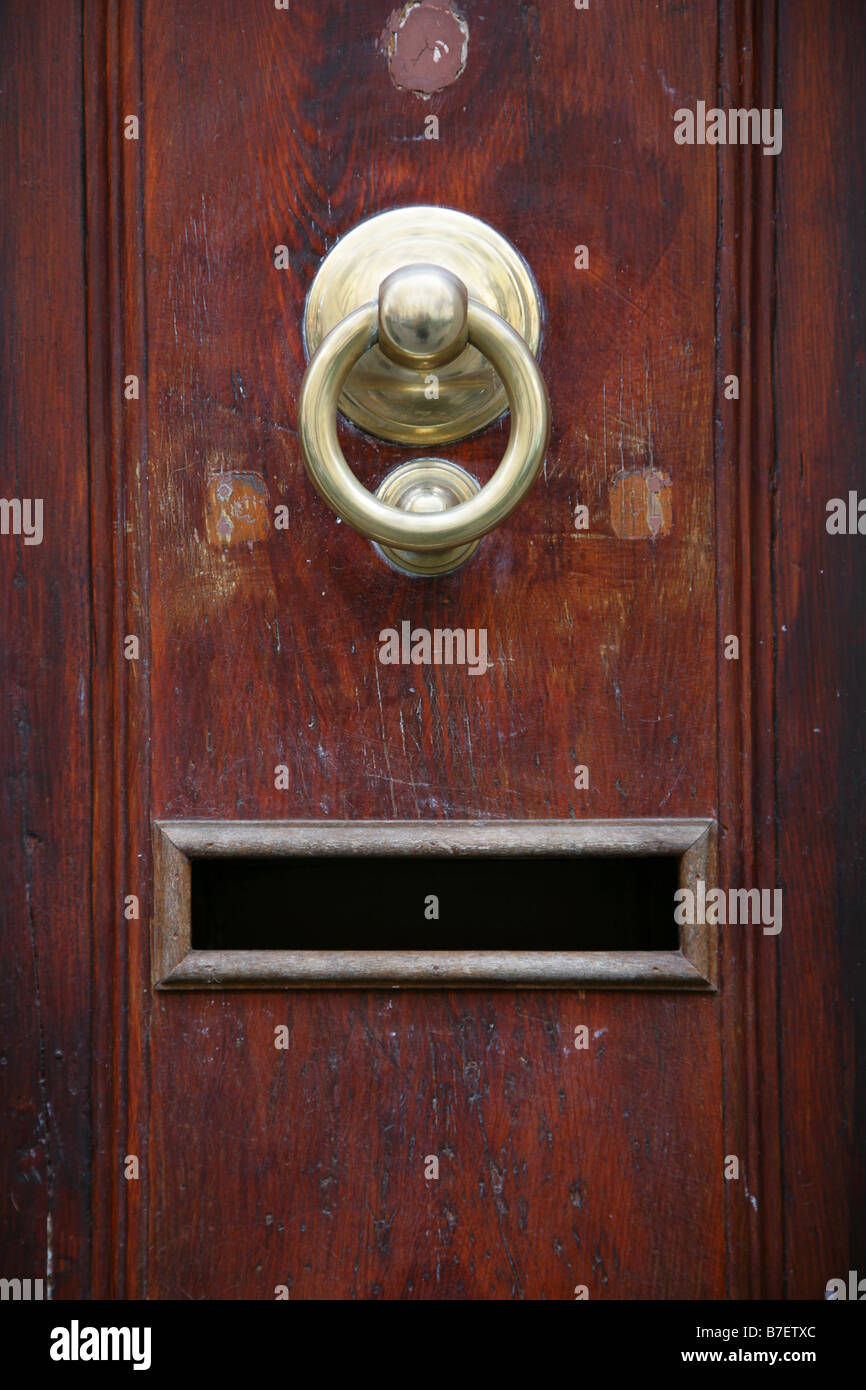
[(466, 395)]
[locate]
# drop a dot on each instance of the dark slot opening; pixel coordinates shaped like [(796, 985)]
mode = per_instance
[(562, 903)]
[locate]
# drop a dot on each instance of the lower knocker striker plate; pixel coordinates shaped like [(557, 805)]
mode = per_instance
[(466, 395), (427, 486)]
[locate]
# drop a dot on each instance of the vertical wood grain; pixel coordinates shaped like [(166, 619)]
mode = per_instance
[(746, 728), (45, 676), (118, 347), (820, 640)]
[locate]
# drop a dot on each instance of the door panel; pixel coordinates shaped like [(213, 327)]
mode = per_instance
[(265, 653)]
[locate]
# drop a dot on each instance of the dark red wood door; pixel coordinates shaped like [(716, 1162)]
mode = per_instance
[(648, 645), (557, 1167)]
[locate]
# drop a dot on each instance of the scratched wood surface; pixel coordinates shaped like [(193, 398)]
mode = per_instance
[(45, 657), (821, 701), (557, 1167), (305, 1167)]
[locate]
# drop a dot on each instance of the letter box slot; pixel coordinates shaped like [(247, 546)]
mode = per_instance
[(280, 904)]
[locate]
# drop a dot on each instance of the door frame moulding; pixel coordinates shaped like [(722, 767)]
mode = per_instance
[(746, 555), (178, 966)]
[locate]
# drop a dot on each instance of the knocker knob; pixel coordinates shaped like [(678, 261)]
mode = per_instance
[(423, 316)]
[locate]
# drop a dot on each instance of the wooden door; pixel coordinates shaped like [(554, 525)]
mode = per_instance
[(251, 1132)]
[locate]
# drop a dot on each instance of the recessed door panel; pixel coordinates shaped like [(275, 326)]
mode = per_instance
[(269, 137)]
